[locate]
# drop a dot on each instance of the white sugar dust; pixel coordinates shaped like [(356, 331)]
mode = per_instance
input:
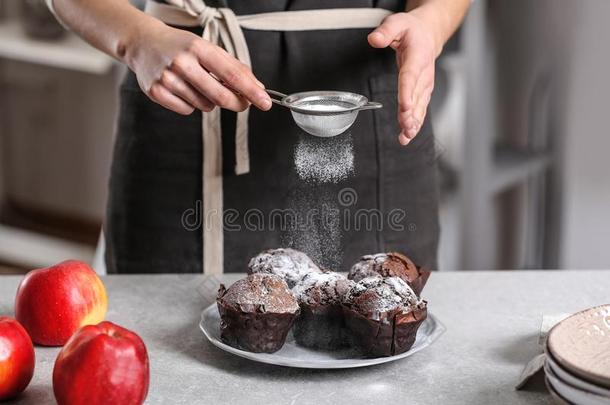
[(322, 164), (324, 160)]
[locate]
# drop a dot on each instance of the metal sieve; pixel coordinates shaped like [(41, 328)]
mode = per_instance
[(324, 113)]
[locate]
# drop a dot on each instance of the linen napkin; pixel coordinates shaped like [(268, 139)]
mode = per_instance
[(535, 365)]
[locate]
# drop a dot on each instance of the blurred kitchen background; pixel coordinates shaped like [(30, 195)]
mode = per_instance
[(520, 113)]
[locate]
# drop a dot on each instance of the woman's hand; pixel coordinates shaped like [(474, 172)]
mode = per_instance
[(416, 50), (182, 72)]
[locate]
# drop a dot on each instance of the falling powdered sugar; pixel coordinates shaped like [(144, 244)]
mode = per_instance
[(321, 163), (324, 160), (317, 227)]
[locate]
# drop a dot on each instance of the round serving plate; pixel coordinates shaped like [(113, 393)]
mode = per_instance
[(293, 355), (558, 399), (572, 394), (573, 380), (581, 345)]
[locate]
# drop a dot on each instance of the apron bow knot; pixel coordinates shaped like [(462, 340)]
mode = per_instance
[(207, 15)]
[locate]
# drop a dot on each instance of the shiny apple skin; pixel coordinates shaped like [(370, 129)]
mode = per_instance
[(52, 303), (102, 364), (17, 358)]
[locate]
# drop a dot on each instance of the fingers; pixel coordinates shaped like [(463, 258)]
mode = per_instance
[(187, 66), (415, 84), (407, 80), (172, 82), (421, 108), (414, 45), (421, 96), (389, 31), (161, 95), (245, 68), (412, 118), (403, 139), (233, 73), (409, 126)]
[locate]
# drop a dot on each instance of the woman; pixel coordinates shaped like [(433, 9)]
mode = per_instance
[(179, 81)]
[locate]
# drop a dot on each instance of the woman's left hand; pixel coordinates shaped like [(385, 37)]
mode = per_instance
[(416, 51)]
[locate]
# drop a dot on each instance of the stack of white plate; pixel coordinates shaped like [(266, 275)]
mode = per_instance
[(578, 358)]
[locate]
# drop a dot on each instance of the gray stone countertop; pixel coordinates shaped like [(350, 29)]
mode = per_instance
[(492, 320)]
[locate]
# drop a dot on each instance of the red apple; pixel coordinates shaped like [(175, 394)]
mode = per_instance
[(54, 302), (16, 358), (102, 364)]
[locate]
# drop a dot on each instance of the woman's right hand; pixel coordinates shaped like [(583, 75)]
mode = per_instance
[(182, 72)]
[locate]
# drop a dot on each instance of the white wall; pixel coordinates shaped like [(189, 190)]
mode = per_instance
[(586, 223), (574, 36)]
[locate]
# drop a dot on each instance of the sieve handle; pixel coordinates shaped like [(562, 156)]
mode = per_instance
[(371, 105), (278, 94)]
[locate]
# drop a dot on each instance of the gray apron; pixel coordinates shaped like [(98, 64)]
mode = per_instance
[(155, 212)]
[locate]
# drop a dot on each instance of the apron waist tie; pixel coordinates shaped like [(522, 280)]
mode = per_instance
[(223, 28)]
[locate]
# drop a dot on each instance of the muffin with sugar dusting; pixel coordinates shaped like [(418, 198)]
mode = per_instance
[(256, 313), (290, 264), (382, 315), (320, 324), (390, 265)]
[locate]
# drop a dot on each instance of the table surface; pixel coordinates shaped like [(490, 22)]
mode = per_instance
[(492, 320)]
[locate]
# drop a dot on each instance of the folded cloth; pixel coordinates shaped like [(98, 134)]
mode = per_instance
[(536, 365)]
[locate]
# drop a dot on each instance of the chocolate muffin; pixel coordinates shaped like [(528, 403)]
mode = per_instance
[(287, 263), (256, 313), (390, 265), (320, 324), (383, 315)]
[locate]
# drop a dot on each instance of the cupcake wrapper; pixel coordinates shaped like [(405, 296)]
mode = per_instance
[(320, 327), (405, 329), (259, 332), (420, 282), (381, 339)]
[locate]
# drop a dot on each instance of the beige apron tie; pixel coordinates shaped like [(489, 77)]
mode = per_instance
[(223, 28)]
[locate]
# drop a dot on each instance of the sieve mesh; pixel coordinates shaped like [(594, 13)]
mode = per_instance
[(325, 102), (324, 105), (324, 125), (325, 113)]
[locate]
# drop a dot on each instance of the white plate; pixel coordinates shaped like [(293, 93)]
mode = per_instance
[(581, 344), (573, 394), (559, 400), (293, 355), (573, 380)]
